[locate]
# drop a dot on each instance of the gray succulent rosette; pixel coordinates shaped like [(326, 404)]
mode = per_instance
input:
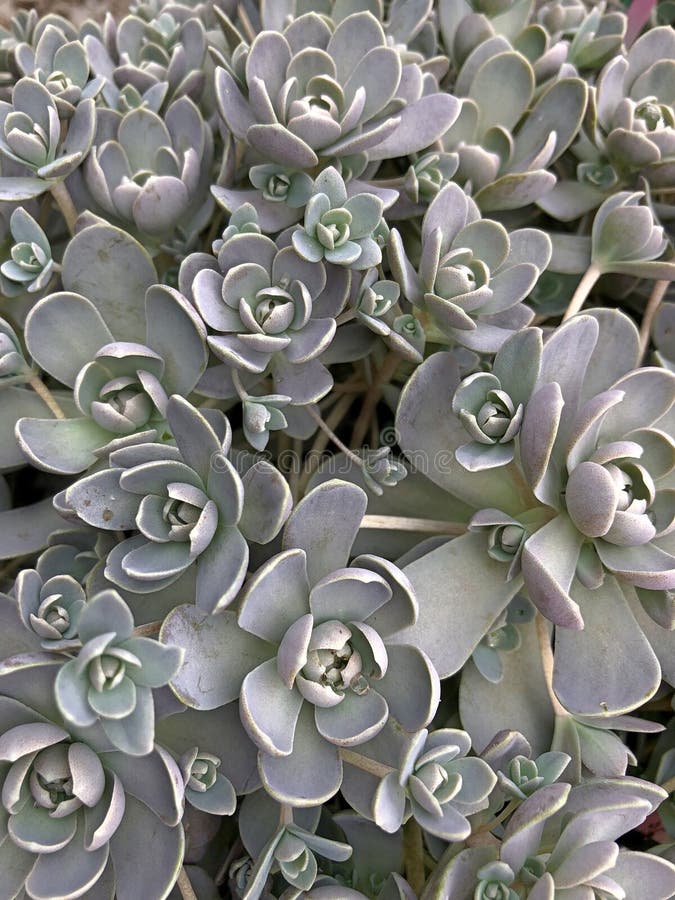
[(310, 92), (329, 657), (472, 275), (62, 66), (148, 59), (30, 266), (121, 389), (31, 135), (150, 171), (188, 505), (77, 817), (269, 310), (594, 560)]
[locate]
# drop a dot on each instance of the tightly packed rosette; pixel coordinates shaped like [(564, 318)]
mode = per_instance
[(148, 58), (576, 854), (472, 275), (308, 93), (331, 669), (30, 266), (268, 309), (111, 677), (582, 516), (78, 816), (32, 135), (150, 171), (432, 780), (188, 505), (62, 66), (121, 389)]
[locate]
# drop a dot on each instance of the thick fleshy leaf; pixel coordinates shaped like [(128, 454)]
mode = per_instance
[(155, 779), (175, 331), (548, 561), (134, 734), (32, 828), (324, 524), (269, 709), (161, 843), (111, 269), (421, 123), (71, 690), (100, 501), (267, 502), (69, 872), (65, 319), (218, 655), (15, 865), (25, 530), (613, 682), (64, 446), (311, 774), (106, 612), (348, 595), (519, 701), (410, 686), (447, 628), (633, 871), (266, 612), (355, 720), (221, 570)]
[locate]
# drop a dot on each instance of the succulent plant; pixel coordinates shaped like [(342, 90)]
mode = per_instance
[(339, 229), (337, 451), (31, 135), (472, 275), (50, 607), (13, 366), (121, 389), (308, 93), (431, 779), (77, 817), (162, 57), (30, 266), (272, 310), (149, 171), (62, 66), (110, 680), (187, 503)]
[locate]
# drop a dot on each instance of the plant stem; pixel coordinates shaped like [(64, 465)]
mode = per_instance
[(504, 814), (365, 763), (313, 456), (46, 396), (184, 886), (286, 814), (546, 652), (149, 630), (584, 287), (655, 298), (334, 438), (236, 380), (413, 856), (382, 377), (406, 523), (59, 192)]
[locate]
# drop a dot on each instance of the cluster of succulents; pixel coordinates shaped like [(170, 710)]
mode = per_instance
[(337, 451)]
